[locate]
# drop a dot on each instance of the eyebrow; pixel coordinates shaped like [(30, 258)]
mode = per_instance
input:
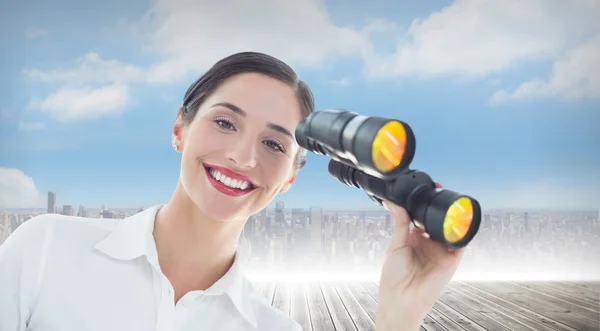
[(242, 113)]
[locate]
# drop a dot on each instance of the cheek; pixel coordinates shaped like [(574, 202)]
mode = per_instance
[(276, 168), (204, 140)]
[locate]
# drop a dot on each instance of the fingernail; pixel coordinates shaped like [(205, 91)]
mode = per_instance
[(385, 205)]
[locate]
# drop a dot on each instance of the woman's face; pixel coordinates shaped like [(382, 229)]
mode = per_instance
[(239, 151)]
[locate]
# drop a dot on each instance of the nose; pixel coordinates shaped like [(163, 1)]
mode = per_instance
[(243, 153)]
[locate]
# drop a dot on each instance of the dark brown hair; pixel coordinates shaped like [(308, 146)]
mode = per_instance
[(247, 62)]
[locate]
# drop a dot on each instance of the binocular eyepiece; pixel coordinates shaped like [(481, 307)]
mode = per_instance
[(374, 154)]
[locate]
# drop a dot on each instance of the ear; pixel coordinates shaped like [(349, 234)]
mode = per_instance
[(177, 134), (288, 184)]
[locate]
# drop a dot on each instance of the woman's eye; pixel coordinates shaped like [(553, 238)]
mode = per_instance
[(225, 124), (274, 145)]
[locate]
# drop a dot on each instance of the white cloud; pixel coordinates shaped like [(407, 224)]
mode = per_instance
[(189, 36), (31, 126), (89, 69), (34, 32), (573, 77), (192, 35), (93, 88), (469, 38), (76, 103), (18, 190), (480, 37)]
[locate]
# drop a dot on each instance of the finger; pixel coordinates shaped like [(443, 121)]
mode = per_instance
[(438, 185), (457, 251), (429, 250), (402, 226), (418, 231)]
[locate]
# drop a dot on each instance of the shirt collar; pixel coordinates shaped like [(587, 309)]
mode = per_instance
[(132, 238)]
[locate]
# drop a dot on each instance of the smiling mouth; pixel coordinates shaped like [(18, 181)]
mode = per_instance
[(228, 182)]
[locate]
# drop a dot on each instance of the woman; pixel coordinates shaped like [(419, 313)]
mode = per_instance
[(176, 266)]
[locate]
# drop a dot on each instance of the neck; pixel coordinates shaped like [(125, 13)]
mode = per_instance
[(187, 240)]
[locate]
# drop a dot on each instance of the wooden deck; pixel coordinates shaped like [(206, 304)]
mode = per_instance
[(543, 306)]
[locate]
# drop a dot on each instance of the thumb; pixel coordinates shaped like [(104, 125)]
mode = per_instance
[(402, 226)]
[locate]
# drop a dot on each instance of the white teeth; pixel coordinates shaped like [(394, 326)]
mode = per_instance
[(230, 182)]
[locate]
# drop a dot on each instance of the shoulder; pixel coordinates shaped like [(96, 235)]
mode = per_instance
[(268, 317), (43, 231), (59, 225)]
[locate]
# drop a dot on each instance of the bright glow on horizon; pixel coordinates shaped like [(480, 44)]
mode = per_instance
[(303, 277), (523, 276)]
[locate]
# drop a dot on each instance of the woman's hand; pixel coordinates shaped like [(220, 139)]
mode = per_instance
[(415, 272)]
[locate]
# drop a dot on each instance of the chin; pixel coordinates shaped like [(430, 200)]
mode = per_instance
[(217, 208)]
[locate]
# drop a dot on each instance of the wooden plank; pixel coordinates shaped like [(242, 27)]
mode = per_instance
[(369, 304), (477, 313), (438, 321), (320, 318), (364, 299), (283, 297), (361, 319), (582, 312), (533, 303), (339, 315), (577, 289), (481, 306), (556, 293), (299, 307), (595, 285), (496, 312), (434, 320), (457, 317), (582, 290), (524, 311), (590, 285), (429, 324)]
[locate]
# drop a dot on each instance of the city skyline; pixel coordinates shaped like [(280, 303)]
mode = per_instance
[(300, 243), (273, 206)]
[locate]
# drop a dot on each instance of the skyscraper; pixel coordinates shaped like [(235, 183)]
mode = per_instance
[(67, 210), (51, 203), (249, 228), (316, 218), (279, 213), (82, 211)]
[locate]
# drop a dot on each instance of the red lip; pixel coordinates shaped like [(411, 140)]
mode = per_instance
[(231, 174), (232, 192)]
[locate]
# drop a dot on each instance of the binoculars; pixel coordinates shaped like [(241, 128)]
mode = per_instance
[(374, 154)]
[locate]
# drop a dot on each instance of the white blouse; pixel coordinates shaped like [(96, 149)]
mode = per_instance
[(72, 273)]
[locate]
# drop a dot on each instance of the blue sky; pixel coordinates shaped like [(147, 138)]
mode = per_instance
[(505, 108)]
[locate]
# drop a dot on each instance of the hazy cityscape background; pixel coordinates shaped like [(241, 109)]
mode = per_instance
[(510, 244)]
